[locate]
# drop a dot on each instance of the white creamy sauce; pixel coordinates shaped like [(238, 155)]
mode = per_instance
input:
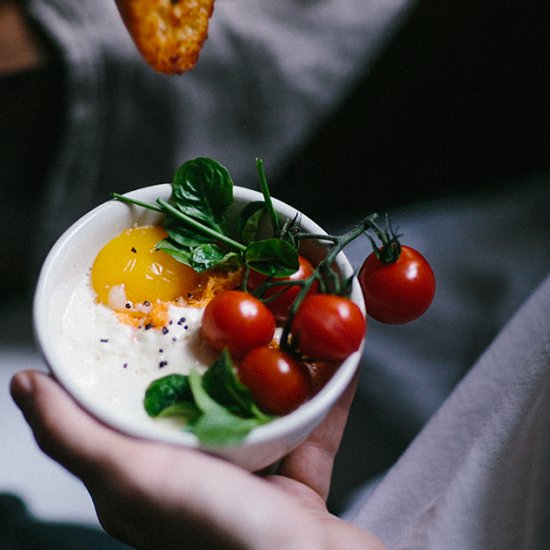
[(109, 364)]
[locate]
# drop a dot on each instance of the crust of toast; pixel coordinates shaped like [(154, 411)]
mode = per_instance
[(168, 33)]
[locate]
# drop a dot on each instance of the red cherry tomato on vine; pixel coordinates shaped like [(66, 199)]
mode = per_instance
[(328, 327), (278, 383), (237, 321), (285, 296), (397, 292)]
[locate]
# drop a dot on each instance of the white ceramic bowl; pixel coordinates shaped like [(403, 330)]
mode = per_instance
[(108, 399)]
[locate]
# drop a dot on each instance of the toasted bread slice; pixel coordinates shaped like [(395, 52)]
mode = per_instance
[(168, 33)]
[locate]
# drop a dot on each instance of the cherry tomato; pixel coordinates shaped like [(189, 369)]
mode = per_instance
[(285, 296), (278, 383), (328, 327), (237, 321), (397, 292)]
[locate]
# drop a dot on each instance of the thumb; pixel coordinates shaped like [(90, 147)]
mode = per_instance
[(61, 428)]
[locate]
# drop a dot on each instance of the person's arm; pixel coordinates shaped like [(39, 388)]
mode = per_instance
[(153, 495)]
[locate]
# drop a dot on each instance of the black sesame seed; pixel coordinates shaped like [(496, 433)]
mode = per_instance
[(127, 305), (165, 330), (133, 249), (147, 303), (104, 340), (163, 364), (125, 366), (148, 326), (161, 350)]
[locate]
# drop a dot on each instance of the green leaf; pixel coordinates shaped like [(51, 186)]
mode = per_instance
[(183, 409), (208, 256), (203, 189), (221, 383), (178, 252), (249, 220), (183, 235), (220, 427), (272, 257), (165, 392), (217, 426), (200, 258)]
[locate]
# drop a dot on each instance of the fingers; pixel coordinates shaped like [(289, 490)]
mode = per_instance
[(312, 462), (81, 444), (60, 426), (151, 495), (136, 486)]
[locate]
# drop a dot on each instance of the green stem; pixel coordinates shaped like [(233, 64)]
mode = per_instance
[(275, 222), (390, 250), (165, 207), (316, 237), (205, 230), (339, 243), (128, 200)]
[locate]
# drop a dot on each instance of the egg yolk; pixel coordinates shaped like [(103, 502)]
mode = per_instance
[(131, 262)]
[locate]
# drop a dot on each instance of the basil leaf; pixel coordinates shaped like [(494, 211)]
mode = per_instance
[(217, 426), (218, 409), (200, 258), (181, 235), (221, 383), (179, 253), (249, 220), (208, 256), (165, 392), (220, 427), (183, 409), (203, 189), (272, 257)]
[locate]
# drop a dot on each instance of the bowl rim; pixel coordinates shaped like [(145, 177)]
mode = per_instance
[(311, 412)]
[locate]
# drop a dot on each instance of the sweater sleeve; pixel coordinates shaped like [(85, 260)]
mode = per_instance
[(477, 476)]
